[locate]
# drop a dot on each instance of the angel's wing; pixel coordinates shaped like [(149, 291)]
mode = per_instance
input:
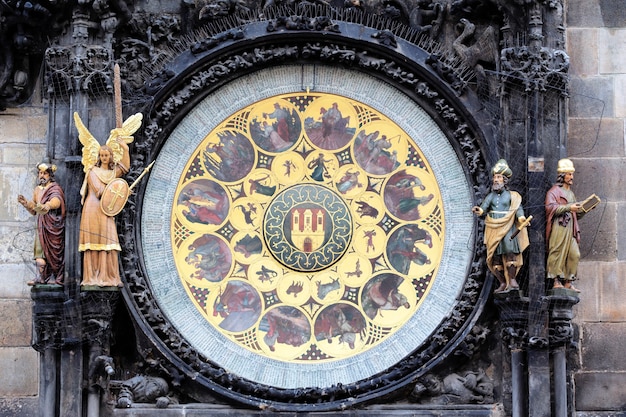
[(91, 147), (125, 133), (132, 124)]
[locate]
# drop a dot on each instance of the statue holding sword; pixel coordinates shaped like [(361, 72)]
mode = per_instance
[(506, 236), (104, 194)]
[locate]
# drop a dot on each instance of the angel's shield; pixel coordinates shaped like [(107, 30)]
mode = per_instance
[(114, 197)]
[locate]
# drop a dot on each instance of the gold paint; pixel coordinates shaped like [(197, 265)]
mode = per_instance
[(268, 307)]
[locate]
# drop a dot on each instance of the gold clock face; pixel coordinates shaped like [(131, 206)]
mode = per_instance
[(307, 228), (306, 238)]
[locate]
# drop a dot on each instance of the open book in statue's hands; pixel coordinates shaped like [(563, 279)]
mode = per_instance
[(589, 203)]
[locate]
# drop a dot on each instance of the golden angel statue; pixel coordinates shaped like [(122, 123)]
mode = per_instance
[(103, 195)]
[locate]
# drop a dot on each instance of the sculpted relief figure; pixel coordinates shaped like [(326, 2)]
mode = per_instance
[(98, 238), (562, 232), (506, 236), (48, 205), (469, 388), (144, 389)]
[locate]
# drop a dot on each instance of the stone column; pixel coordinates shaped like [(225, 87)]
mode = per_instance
[(513, 311), (534, 83), (47, 340), (561, 334), (98, 308)]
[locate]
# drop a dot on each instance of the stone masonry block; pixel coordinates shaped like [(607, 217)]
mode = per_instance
[(600, 176), (621, 233), (613, 14), (14, 182), (12, 129), (620, 100), (588, 308), (598, 230), (596, 13), (24, 155), (584, 13), (595, 137), (37, 127), (591, 97), (15, 328), (612, 279), (20, 372), (600, 391), (17, 244), (602, 347), (582, 47), (14, 278), (612, 51), (601, 298)]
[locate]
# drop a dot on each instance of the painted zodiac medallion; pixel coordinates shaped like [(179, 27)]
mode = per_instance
[(307, 228)]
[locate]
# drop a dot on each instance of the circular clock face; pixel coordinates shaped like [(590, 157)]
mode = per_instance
[(306, 238)]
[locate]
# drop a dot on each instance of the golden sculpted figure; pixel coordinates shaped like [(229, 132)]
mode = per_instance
[(562, 232), (48, 205), (102, 166), (506, 236)]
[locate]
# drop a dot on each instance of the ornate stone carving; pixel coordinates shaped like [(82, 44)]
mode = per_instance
[(25, 29), (144, 389), (469, 388), (535, 70), (207, 79), (296, 22), (48, 318), (561, 331)]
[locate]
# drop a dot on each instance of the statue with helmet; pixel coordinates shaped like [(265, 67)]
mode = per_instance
[(562, 232), (506, 236)]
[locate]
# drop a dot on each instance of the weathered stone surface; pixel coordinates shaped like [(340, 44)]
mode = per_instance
[(591, 97), (600, 391), (584, 13), (612, 306), (595, 137), (582, 47), (600, 176), (612, 51), (620, 100), (19, 407), (16, 181), (595, 13), (16, 324), (601, 298), (20, 372), (17, 243), (201, 410), (621, 233), (602, 347), (14, 278), (13, 129), (588, 309), (26, 156), (597, 229), (613, 13)]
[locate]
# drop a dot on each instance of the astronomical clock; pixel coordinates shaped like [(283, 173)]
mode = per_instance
[(305, 233)]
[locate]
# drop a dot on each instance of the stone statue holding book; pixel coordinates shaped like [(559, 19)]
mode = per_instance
[(562, 231)]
